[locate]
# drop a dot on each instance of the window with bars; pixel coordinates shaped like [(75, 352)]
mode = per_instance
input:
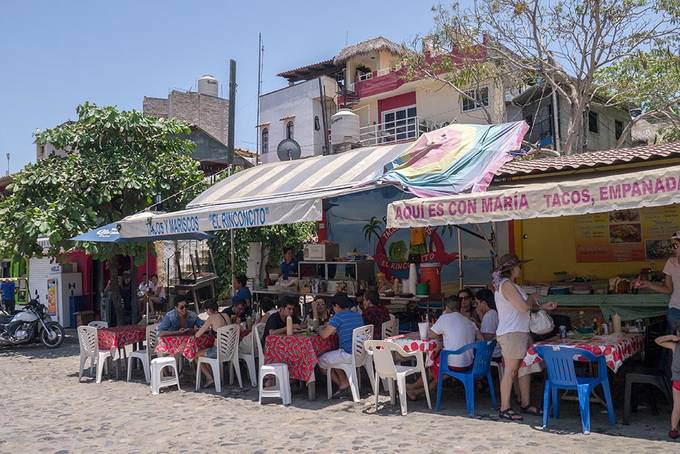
[(399, 124)]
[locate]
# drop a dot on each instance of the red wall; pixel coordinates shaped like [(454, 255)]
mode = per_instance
[(394, 102)]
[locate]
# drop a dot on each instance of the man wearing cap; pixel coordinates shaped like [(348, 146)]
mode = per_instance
[(671, 285), (514, 309)]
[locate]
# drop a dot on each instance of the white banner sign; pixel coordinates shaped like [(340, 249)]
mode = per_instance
[(212, 218), (594, 195)]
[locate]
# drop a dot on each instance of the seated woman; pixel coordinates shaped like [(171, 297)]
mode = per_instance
[(156, 294), (485, 307), (374, 312), (215, 320), (322, 312), (466, 297)]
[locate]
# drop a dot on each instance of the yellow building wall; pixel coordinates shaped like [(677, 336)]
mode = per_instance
[(551, 243)]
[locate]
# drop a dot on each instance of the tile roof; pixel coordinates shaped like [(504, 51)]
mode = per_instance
[(590, 160)]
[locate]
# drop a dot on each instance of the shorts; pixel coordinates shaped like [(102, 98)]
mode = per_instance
[(334, 357), (514, 345), (676, 384), (211, 353), (436, 365)]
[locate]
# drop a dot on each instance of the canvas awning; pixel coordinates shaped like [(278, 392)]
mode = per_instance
[(643, 188), (277, 193)]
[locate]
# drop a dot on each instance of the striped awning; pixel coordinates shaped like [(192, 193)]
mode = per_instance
[(276, 193)]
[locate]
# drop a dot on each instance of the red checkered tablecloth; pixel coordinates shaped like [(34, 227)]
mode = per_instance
[(184, 344), (119, 336), (616, 348), (411, 342), (300, 352)]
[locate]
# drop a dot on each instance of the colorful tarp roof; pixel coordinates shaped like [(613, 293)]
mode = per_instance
[(455, 159)]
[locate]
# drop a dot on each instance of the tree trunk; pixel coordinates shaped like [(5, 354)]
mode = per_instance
[(574, 139), (115, 290)]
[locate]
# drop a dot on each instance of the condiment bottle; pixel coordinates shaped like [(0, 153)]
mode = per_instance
[(617, 323), (289, 325)]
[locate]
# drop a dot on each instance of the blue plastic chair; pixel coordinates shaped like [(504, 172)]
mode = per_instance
[(562, 375), (480, 369)]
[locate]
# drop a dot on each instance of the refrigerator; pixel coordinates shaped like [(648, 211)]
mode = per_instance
[(60, 287)]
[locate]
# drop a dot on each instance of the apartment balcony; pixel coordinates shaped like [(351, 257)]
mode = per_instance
[(390, 132), (373, 83)]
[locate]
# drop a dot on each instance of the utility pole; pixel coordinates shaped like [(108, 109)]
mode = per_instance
[(7, 163), (258, 128), (232, 110)]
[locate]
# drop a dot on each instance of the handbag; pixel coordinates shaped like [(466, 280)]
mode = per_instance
[(541, 323)]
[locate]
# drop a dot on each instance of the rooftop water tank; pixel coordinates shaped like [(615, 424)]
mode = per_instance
[(207, 85), (344, 130)]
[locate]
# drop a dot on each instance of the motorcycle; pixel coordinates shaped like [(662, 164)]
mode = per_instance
[(29, 324)]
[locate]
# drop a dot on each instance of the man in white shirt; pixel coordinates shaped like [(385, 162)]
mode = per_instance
[(457, 331)]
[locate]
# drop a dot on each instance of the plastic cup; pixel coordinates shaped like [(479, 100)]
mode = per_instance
[(423, 328)]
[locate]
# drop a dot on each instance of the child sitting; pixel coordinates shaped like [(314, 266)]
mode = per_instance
[(671, 342)]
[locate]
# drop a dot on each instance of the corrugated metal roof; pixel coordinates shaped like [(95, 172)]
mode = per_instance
[(590, 159)]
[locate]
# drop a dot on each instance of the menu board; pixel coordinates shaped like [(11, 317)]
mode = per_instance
[(626, 235)]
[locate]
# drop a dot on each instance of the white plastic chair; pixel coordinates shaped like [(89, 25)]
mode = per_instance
[(278, 370), (247, 352), (98, 324), (387, 329), (157, 380), (227, 352), (145, 355), (383, 359), (359, 358), (89, 349)]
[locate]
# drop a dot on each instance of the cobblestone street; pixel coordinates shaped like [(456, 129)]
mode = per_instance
[(45, 409)]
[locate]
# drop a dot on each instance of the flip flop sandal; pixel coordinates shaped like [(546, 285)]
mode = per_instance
[(510, 415), (674, 434), (340, 393), (531, 410)]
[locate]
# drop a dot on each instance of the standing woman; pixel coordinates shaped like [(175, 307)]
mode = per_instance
[(671, 285), (514, 308)]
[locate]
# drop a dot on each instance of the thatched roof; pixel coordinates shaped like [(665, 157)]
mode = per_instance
[(371, 45)]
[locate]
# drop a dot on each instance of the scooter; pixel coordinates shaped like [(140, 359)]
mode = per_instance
[(29, 324)]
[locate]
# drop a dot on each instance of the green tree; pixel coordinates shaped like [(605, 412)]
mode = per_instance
[(649, 81), (116, 162), (562, 43), (374, 228), (273, 238)]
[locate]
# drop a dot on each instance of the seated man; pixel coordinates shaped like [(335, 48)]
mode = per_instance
[(276, 323), (215, 320), (374, 312), (457, 331), (237, 309), (242, 292), (267, 308), (289, 266), (343, 324), (179, 320)]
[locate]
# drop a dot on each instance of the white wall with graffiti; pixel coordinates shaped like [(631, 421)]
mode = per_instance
[(357, 221)]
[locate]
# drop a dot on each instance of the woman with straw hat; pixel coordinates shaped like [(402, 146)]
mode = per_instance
[(514, 308)]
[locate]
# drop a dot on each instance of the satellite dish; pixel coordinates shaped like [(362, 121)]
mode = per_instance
[(288, 150)]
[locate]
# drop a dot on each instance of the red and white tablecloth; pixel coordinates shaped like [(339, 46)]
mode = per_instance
[(616, 348), (300, 352), (184, 344), (411, 342), (119, 336)]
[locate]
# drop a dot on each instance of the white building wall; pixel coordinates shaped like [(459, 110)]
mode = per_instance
[(298, 103)]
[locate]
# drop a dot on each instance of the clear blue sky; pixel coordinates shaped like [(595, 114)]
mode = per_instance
[(56, 54)]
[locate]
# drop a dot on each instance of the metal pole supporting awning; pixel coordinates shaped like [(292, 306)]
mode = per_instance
[(645, 188)]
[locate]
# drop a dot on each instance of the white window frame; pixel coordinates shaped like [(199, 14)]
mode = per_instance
[(383, 122), (478, 106)]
